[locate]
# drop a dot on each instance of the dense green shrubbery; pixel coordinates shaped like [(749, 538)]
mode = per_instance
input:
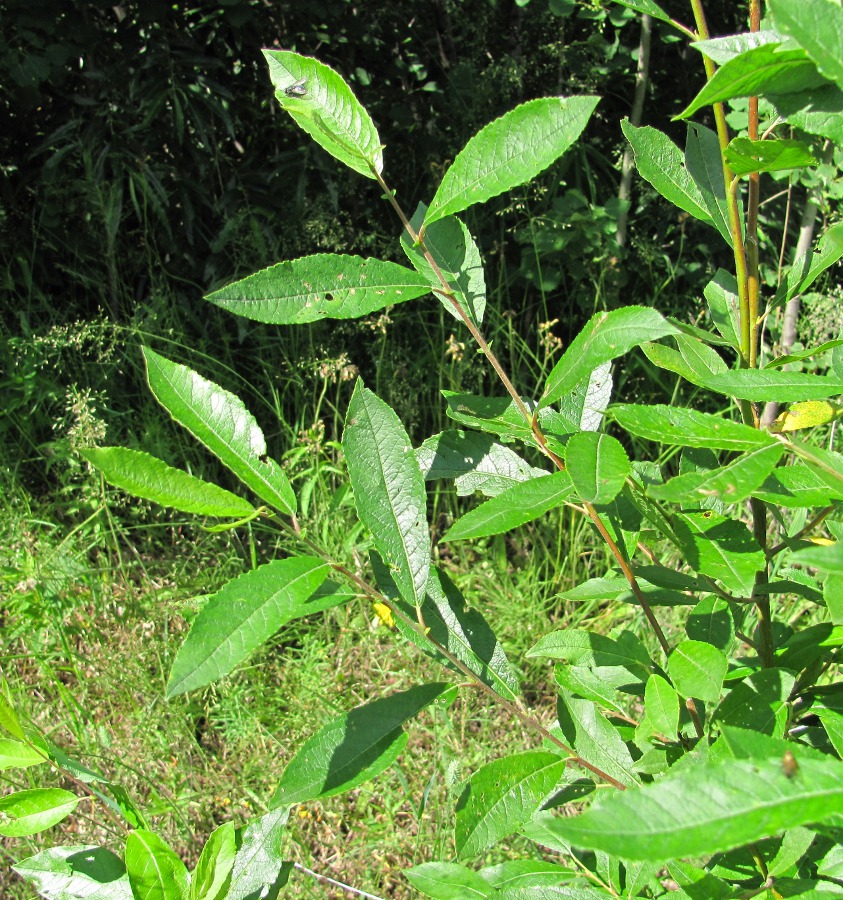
[(702, 757)]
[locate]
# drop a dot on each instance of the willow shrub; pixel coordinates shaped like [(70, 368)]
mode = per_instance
[(709, 768)]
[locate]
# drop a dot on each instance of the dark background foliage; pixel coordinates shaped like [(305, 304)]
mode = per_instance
[(145, 162)]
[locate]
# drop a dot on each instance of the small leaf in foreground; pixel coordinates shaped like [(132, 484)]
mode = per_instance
[(698, 669)]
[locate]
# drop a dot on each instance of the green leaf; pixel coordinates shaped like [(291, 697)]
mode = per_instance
[(152, 479), (723, 49), (660, 162), (242, 616), (211, 876), (818, 26), (28, 812), (720, 548), (818, 111), (661, 703), (456, 626), (734, 803), (352, 748), (695, 361), (827, 558), (688, 428), (767, 69), (827, 464), (8, 716), (711, 621), (18, 755), (388, 490), (222, 423), (525, 873), (779, 361), (259, 868), (475, 462), (594, 738), (448, 881), (453, 250), (320, 102), (510, 151), (648, 8), (501, 796), (763, 385), (322, 286), (723, 304), (606, 336), (698, 669), (808, 268), (759, 702), (580, 648), (515, 506), (582, 681), (833, 597), (73, 872), (155, 872), (745, 156), (796, 486), (598, 466), (730, 484), (585, 405), (705, 165)]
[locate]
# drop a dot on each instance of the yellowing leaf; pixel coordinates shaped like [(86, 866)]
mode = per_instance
[(807, 414)]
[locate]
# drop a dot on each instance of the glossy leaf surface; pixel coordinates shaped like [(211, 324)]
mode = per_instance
[(501, 796), (152, 479), (210, 878), (19, 755), (155, 872), (448, 881), (242, 616), (323, 286), (510, 151), (598, 466), (223, 424), (388, 490), (818, 26), (27, 812), (745, 156), (605, 337), (321, 103), (75, 871), (517, 505)]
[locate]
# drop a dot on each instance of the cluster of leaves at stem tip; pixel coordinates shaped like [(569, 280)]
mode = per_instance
[(701, 761)]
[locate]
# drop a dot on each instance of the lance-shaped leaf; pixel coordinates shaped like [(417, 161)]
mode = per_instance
[(723, 49), (766, 69), (150, 478), (818, 26), (648, 8), (475, 462), (242, 616), (388, 490), (18, 755), (808, 268), (510, 151), (723, 304), (705, 165), (210, 878), (606, 336), (662, 163), (598, 466), (501, 796), (515, 874), (259, 869), (735, 802), (519, 504), (456, 256), (155, 872), (745, 156), (720, 548), (825, 557), (320, 102), (688, 428), (223, 424), (585, 405), (694, 360), (322, 286), (818, 111), (28, 812), (454, 625), (352, 748), (67, 873), (809, 414), (600, 653), (762, 385), (731, 483)]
